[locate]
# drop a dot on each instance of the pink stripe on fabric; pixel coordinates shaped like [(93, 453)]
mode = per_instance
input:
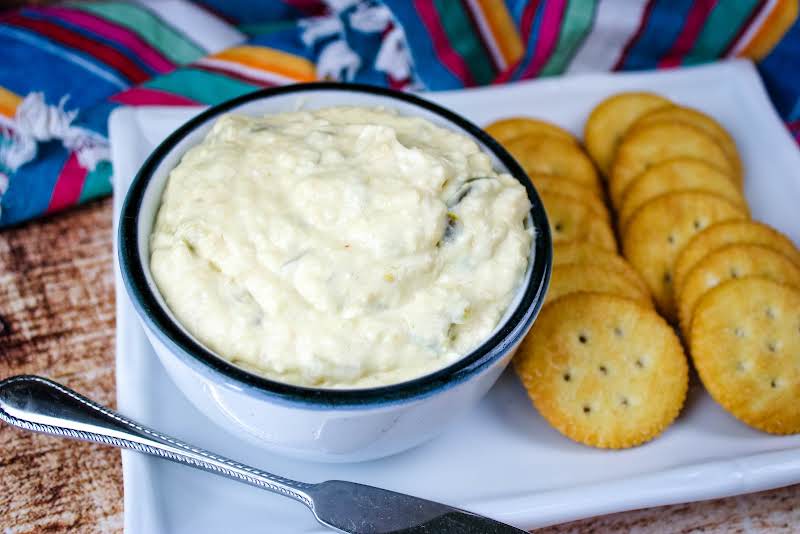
[(149, 55), (68, 185), (548, 36), (794, 128), (143, 96), (528, 16), (695, 19), (310, 8), (447, 55)]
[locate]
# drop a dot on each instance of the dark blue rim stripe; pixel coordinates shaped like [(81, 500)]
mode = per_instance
[(131, 265)]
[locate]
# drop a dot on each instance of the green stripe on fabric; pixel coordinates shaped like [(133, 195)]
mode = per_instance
[(463, 37), (261, 28), (150, 27), (722, 25), (97, 182), (200, 86), (4, 143), (575, 26)]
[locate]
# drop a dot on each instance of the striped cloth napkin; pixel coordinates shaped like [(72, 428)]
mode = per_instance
[(66, 66)]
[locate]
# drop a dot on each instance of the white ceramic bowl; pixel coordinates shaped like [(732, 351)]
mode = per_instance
[(319, 424)]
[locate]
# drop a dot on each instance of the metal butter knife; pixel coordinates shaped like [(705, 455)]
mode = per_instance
[(41, 405)]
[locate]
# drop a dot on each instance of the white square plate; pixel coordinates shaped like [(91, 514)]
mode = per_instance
[(502, 459)]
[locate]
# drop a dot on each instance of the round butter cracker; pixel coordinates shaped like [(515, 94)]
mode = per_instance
[(609, 121), (603, 370), (681, 174), (571, 220), (728, 233), (544, 154), (728, 263), (658, 231), (589, 254), (579, 277), (504, 130), (649, 145), (704, 122), (572, 189), (745, 342)]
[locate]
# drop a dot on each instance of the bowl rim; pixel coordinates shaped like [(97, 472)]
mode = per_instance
[(150, 310)]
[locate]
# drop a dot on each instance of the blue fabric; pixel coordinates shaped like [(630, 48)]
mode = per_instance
[(432, 42), (665, 24)]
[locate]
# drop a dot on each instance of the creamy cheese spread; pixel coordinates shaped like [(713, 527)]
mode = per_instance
[(342, 247)]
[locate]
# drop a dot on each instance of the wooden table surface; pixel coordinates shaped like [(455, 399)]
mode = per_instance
[(57, 320)]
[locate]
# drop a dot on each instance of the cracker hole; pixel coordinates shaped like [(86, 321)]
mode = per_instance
[(624, 401), (738, 332), (559, 227), (583, 339), (567, 377), (587, 409), (697, 224), (603, 369), (770, 313), (667, 278), (671, 239), (774, 383), (639, 363), (740, 366), (772, 346), (618, 331), (734, 273)]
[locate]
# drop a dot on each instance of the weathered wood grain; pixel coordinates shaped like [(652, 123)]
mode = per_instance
[(57, 311), (57, 320)]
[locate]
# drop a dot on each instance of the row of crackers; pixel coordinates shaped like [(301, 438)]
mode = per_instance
[(599, 355), (730, 283), (601, 365)]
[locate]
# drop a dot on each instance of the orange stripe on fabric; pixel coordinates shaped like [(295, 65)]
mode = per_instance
[(272, 60), (9, 102), (772, 30), (503, 29)]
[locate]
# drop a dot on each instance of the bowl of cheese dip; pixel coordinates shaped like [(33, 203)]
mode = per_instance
[(333, 271)]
